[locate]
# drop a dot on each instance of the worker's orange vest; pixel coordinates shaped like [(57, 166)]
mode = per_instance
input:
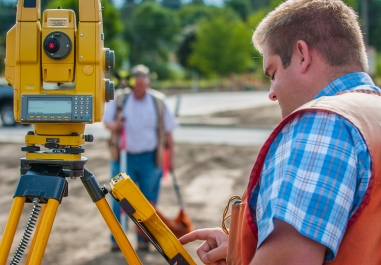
[(361, 243)]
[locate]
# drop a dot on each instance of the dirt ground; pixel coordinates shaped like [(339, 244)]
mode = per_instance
[(207, 174)]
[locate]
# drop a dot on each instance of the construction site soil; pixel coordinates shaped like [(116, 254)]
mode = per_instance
[(207, 174)]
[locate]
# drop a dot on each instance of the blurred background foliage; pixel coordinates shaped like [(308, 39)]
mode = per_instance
[(183, 42)]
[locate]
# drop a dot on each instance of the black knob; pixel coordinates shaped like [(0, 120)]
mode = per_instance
[(109, 90), (104, 190), (89, 138), (110, 59)]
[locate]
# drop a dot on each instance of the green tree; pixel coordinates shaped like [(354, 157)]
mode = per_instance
[(173, 4), (187, 38), (258, 4), (374, 29), (222, 47), (355, 4), (252, 23), (242, 7), (153, 31), (190, 15), (7, 20), (197, 2)]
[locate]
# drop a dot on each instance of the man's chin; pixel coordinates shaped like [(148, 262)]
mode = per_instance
[(285, 113)]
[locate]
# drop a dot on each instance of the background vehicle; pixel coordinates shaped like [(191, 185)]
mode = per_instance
[(6, 106)]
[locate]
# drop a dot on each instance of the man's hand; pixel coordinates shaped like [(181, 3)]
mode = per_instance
[(215, 247), (115, 126)]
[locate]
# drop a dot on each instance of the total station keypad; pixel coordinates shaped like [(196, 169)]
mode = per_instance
[(82, 108)]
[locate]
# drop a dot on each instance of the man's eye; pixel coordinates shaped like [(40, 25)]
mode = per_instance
[(273, 76)]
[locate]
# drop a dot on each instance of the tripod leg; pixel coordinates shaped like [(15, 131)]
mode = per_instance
[(44, 231), (118, 233), (98, 198), (35, 233), (10, 228)]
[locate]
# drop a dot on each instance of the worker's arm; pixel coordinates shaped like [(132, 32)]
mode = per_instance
[(115, 125), (286, 246), (112, 126)]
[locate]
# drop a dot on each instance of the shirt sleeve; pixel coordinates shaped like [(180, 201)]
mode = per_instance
[(110, 111), (309, 179), (170, 123)]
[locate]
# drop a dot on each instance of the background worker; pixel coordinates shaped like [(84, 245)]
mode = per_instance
[(148, 127), (314, 194)]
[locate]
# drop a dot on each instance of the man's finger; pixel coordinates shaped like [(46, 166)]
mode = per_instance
[(210, 255), (202, 250), (216, 254), (199, 234)]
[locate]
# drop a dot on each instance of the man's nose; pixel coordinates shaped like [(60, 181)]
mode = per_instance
[(272, 95)]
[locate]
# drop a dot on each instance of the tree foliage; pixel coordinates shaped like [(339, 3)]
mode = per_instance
[(8, 19), (194, 35), (222, 46), (241, 7), (191, 14), (153, 29)]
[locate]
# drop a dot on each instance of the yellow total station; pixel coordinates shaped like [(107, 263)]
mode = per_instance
[(57, 51)]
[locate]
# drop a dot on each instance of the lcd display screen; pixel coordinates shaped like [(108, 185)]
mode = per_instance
[(49, 106)]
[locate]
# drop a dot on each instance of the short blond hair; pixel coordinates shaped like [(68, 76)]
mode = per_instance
[(329, 26)]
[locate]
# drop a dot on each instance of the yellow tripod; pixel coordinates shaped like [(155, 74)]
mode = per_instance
[(44, 182)]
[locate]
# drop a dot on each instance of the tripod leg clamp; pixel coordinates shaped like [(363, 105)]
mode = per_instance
[(92, 186)]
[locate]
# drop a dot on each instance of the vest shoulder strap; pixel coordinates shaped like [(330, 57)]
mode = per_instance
[(121, 99)]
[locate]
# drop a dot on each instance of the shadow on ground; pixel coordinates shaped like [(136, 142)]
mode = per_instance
[(152, 258)]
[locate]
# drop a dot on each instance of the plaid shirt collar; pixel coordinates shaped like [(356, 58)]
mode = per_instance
[(348, 82)]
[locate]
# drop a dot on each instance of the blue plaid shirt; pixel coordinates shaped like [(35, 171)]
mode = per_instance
[(315, 174)]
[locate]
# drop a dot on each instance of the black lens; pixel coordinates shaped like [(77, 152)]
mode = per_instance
[(51, 45)]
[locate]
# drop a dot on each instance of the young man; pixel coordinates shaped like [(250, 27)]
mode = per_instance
[(313, 196), (148, 127)]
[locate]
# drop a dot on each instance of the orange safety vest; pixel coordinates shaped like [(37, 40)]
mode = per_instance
[(361, 243)]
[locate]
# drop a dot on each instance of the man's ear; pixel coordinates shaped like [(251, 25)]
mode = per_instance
[(304, 55)]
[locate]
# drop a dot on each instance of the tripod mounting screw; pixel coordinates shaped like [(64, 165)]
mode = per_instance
[(89, 138), (104, 190)]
